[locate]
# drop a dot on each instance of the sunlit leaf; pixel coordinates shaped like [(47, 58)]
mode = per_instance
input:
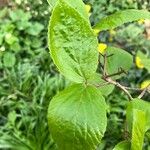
[(9, 59), (77, 118), (124, 145), (138, 129), (140, 105), (72, 43), (78, 5), (121, 17)]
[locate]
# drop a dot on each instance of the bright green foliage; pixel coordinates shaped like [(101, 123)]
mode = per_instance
[(19, 37), (138, 129), (104, 88), (52, 2), (9, 59), (77, 5), (77, 118), (72, 43), (138, 124), (77, 115), (140, 105), (121, 17), (125, 145), (28, 83), (120, 59)]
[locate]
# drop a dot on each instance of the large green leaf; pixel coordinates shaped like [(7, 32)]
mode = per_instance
[(72, 44), (138, 129), (124, 145), (119, 59), (78, 5), (140, 105), (104, 88), (77, 118), (121, 17)]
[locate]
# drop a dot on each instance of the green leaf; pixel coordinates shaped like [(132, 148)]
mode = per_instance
[(138, 129), (120, 59), (77, 118), (10, 39), (15, 47), (52, 2), (124, 145), (121, 17), (12, 117), (140, 105), (72, 44), (78, 5), (104, 88), (9, 59), (3, 12), (18, 14), (35, 29)]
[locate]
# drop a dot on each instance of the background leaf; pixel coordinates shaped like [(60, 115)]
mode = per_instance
[(120, 59), (121, 17), (105, 89), (78, 5), (72, 43), (9, 59), (138, 129), (124, 145), (77, 118), (140, 105)]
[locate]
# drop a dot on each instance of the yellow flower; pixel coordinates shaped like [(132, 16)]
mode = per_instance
[(102, 48), (96, 31), (145, 84), (138, 62), (88, 8), (141, 21)]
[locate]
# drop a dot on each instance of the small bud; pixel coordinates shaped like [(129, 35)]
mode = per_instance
[(139, 63)]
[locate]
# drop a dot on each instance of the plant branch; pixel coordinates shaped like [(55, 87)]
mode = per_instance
[(120, 86), (109, 80), (117, 73), (144, 91), (102, 84), (105, 65), (133, 89)]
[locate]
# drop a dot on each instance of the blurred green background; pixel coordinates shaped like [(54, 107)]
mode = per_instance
[(29, 79)]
